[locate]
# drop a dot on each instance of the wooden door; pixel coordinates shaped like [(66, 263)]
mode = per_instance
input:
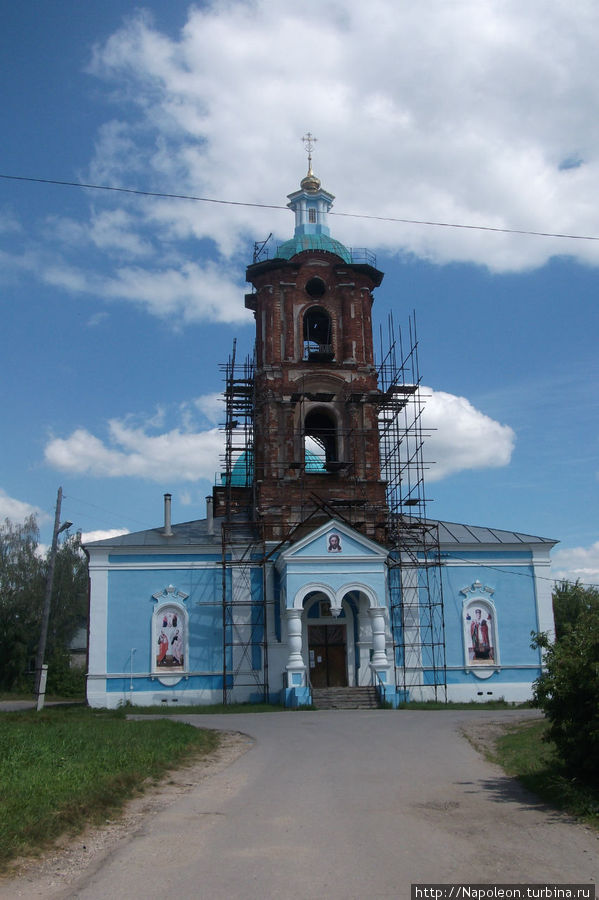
[(328, 655)]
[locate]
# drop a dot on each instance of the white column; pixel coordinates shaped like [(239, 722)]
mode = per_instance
[(379, 662), (296, 670)]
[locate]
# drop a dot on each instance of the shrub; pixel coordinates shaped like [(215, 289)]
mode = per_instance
[(64, 680), (568, 693)]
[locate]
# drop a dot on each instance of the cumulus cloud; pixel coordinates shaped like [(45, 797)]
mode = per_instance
[(190, 293), (481, 113), (9, 224), (133, 451), (18, 510), (577, 563), (212, 407), (459, 437)]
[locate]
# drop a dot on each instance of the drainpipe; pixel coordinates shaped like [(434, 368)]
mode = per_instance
[(168, 531)]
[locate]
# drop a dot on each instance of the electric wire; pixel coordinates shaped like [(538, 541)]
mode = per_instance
[(170, 196), (393, 219), (508, 571)]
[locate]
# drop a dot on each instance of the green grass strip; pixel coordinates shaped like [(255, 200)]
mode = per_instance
[(524, 752), (212, 709), (64, 767)]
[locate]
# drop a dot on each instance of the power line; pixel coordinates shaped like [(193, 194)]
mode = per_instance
[(396, 219), (512, 571)]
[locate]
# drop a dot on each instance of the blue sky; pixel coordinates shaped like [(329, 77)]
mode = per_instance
[(117, 309)]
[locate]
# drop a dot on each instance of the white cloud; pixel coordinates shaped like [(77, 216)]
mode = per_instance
[(190, 293), (459, 437), (102, 535), (133, 452), (211, 406), (477, 112), (97, 319), (114, 230), (468, 112), (577, 563), (18, 510), (9, 224)]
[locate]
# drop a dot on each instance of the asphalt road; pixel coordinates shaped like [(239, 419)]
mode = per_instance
[(345, 804)]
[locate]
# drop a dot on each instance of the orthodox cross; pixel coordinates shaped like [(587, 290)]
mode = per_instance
[(309, 140)]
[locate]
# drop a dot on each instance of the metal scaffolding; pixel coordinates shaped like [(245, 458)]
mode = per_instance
[(415, 587), (416, 599), (245, 649)]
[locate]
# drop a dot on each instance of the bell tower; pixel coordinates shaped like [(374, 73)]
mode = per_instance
[(316, 439)]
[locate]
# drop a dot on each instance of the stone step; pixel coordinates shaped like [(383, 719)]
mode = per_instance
[(345, 698)]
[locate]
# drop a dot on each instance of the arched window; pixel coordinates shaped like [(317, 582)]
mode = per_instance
[(318, 336), (312, 216), (320, 438)]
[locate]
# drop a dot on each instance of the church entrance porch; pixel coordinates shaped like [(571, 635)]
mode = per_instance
[(327, 646)]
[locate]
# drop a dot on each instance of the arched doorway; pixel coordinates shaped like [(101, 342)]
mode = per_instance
[(327, 643)]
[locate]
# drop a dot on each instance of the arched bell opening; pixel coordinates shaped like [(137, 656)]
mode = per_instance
[(317, 331), (321, 439)]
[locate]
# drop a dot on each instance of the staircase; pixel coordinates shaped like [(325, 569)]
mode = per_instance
[(345, 698)]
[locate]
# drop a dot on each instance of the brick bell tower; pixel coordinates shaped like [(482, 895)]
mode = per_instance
[(316, 439)]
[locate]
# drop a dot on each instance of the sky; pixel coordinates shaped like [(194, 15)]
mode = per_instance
[(118, 309)]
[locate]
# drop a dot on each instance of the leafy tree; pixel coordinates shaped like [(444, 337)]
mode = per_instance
[(68, 611), (23, 574), (568, 690), (22, 579), (572, 601)]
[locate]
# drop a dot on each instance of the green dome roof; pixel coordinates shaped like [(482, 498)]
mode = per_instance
[(242, 473), (302, 242)]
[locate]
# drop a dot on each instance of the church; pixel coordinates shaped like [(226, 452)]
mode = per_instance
[(317, 576)]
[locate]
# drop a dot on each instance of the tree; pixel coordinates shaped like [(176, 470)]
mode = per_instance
[(572, 601), (23, 574), (568, 689), (68, 613), (22, 579)]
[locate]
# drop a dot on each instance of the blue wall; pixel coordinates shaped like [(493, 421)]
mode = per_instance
[(515, 604), (130, 609)]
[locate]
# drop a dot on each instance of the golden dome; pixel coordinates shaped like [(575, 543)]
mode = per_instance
[(310, 182)]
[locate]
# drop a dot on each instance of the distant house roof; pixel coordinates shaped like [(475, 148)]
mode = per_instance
[(196, 532)]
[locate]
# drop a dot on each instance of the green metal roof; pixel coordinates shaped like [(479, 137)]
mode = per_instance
[(313, 242)]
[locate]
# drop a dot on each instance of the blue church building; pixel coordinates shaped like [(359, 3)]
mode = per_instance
[(317, 572)]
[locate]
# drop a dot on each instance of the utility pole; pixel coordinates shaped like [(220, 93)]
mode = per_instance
[(41, 671)]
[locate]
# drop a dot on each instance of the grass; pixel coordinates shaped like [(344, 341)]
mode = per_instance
[(522, 751), (472, 704), (67, 766), (222, 709), (213, 709)]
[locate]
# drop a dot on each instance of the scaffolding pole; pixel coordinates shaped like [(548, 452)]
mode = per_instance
[(245, 646), (415, 587)]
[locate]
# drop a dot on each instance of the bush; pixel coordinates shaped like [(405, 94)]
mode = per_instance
[(568, 693), (64, 680)]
